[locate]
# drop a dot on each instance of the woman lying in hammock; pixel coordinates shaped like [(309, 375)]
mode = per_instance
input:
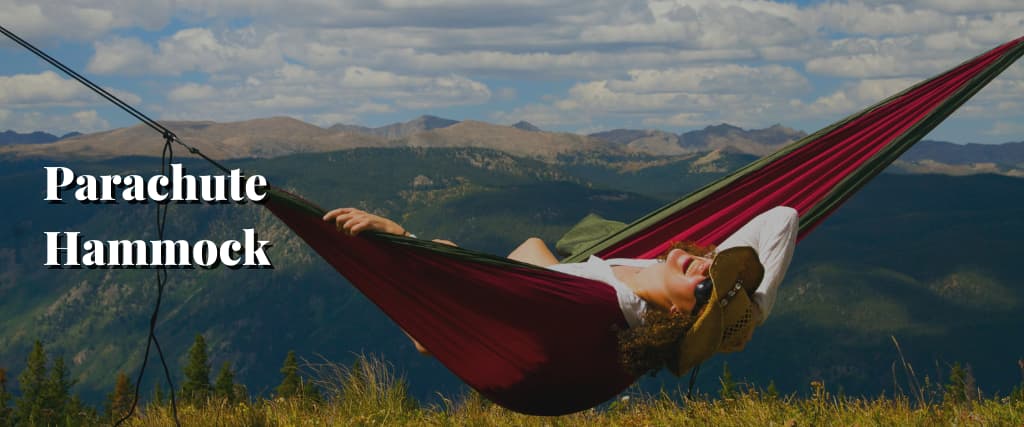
[(663, 299)]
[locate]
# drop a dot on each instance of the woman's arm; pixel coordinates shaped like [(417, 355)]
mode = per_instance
[(353, 221), (773, 235)]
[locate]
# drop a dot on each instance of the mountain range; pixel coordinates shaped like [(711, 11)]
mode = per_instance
[(10, 137), (280, 136)]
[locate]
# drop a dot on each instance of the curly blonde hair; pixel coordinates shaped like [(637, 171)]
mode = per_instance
[(655, 344)]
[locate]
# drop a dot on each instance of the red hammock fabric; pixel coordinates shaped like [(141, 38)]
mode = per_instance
[(533, 340), (541, 342)]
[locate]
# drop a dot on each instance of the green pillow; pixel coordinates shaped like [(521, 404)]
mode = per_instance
[(590, 230)]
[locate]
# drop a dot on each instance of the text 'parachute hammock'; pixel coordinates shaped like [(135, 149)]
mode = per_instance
[(541, 342)]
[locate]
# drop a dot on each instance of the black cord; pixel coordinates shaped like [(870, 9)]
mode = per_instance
[(166, 159), (693, 381)]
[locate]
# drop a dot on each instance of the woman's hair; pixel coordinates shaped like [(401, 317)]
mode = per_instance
[(692, 248), (655, 344)]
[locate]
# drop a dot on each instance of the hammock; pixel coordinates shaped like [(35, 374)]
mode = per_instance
[(541, 342)]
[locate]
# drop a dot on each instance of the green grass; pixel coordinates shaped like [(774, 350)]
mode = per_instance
[(371, 394), (747, 410)]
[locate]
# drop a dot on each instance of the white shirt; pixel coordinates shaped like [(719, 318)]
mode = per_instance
[(632, 306), (772, 234)]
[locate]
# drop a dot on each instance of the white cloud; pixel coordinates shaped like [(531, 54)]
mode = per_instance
[(506, 94), (652, 62), (598, 97), (82, 19), (1007, 129), (545, 65), (887, 57), (875, 65), (48, 89), (677, 120), (284, 102), (838, 102), (728, 78), (122, 55), (709, 25), (959, 6), (89, 120), (59, 124), (414, 91), (564, 38), (542, 115), (916, 47), (192, 49), (881, 19), (323, 96), (191, 92), (679, 96)]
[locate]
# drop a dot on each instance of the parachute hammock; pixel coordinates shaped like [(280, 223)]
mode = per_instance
[(541, 342)]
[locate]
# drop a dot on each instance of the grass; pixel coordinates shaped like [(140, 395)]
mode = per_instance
[(369, 393), (746, 410)]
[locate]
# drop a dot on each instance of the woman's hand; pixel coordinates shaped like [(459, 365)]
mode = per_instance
[(445, 242), (353, 221)]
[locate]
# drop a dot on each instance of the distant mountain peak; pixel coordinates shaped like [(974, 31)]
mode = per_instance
[(527, 126), (432, 122), (11, 137), (722, 128), (398, 130)]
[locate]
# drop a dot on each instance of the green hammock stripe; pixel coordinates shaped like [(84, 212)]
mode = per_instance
[(902, 143)]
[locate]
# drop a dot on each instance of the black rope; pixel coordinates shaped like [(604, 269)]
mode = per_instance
[(142, 117), (693, 381), (166, 159)]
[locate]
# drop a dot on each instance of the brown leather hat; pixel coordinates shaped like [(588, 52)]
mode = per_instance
[(728, 319)]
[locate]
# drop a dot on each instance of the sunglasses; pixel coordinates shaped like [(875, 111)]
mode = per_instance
[(703, 294)]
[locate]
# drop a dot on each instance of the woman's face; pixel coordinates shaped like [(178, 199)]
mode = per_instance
[(684, 271)]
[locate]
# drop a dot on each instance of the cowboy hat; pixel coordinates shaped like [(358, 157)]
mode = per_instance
[(729, 317)]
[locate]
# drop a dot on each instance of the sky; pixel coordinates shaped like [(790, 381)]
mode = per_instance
[(576, 66)]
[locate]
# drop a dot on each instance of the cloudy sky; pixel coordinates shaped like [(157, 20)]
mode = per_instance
[(580, 66)]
